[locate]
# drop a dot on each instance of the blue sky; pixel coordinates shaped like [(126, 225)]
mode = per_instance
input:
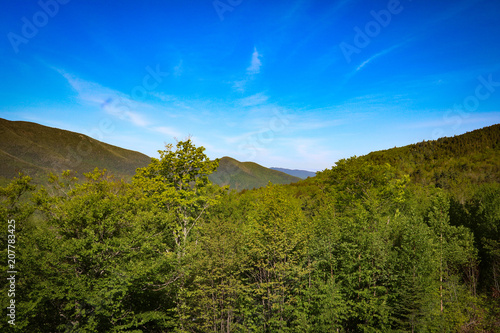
[(294, 84)]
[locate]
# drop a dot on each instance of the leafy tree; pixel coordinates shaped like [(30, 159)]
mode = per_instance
[(454, 249), (178, 183), (219, 297), (97, 263), (277, 236), (16, 208), (480, 212)]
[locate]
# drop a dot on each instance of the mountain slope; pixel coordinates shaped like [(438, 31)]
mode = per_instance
[(247, 175), (303, 174), (449, 162), (473, 157), (37, 150)]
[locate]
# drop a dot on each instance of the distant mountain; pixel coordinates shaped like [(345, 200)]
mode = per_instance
[(303, 174), (37, 150), (247, 175)]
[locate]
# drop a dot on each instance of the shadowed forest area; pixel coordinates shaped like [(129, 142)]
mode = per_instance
[(403, 240)]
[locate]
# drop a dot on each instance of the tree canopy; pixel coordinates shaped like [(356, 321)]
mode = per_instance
[(362, 247)]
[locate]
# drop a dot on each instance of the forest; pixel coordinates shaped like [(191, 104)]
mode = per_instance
[(406, 240)]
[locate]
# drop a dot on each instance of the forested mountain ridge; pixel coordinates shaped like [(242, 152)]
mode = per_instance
[(452, 163), (247, 175), (473, 157), (37, 150)]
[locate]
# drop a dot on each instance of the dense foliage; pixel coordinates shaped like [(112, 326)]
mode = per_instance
[(363, 247)]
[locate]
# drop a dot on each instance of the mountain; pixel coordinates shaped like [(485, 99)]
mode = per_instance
[(247, 175), (37, 150), (302, 174), (473, 157), (449, 162)]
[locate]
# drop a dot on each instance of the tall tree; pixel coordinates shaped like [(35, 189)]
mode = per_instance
[(178, 184), (277, 235)]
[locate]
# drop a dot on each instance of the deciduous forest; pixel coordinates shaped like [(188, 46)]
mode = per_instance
[(404, 240)]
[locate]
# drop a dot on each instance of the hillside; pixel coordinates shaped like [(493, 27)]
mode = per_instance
[(473, 157), (37, 150), (247, 175), (449, 162)]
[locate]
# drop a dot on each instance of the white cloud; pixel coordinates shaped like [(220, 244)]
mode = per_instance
[(172, 102), (111, 101), (384, 52), (179, 69), (168, 131), (136, 118), (254, 100), (306, 125), (240, 85), (252, 70), (255, 64), (240, 138)]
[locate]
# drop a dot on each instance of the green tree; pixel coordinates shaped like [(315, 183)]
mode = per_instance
[(178, 183), (480, 212), (16, 216), (96, 262), (219, 297), (278, 236), (454, 250)]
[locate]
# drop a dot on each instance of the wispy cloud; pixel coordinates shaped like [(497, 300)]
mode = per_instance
[(168, 131), (255, 63), (380, 54), (172, 101), (178, 70), (303, 152), (111, 101), (314, 124), (254, 100), (240, 85), (461, 7), (252, 70), (136, 118)]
